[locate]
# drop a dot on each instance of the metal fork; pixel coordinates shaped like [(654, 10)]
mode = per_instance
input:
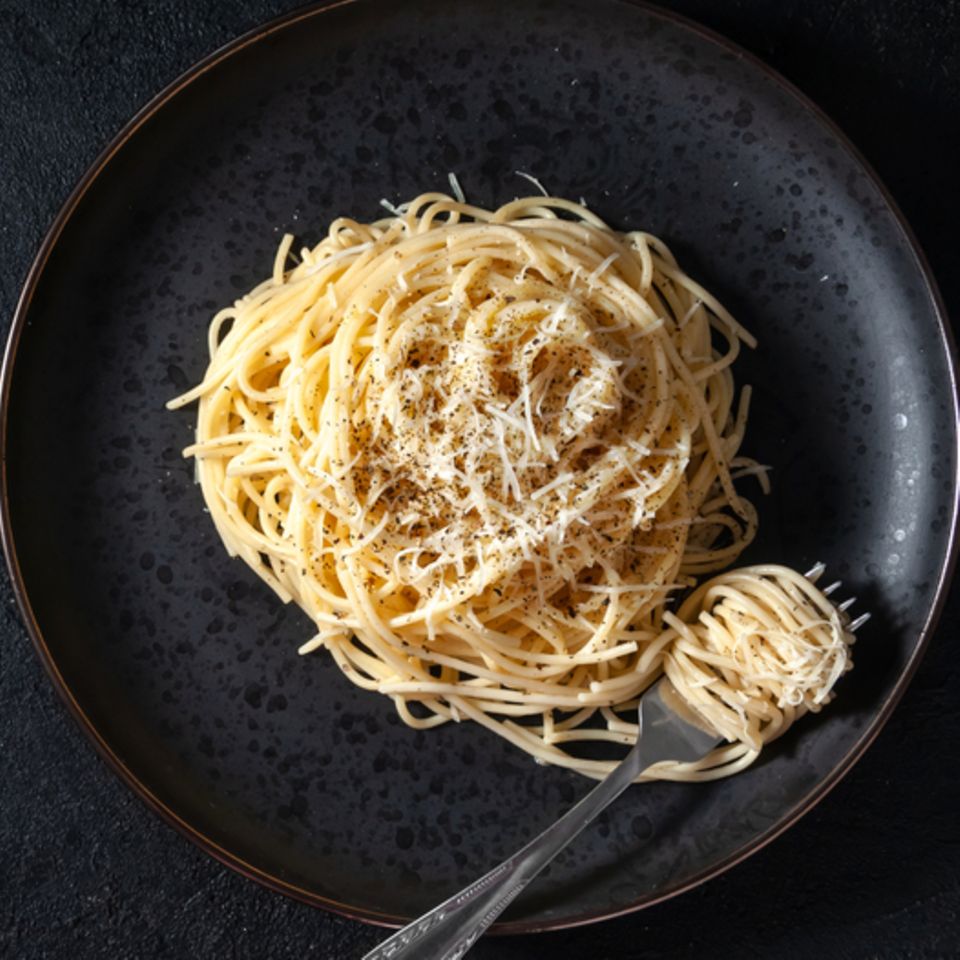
[(669, 730)]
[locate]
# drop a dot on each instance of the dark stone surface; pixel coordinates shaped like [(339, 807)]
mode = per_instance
[(88, 871)]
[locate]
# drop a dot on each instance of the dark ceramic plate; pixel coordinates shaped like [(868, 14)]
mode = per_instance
[(182, 667)]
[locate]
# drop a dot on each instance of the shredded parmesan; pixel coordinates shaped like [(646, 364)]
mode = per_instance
[(533, 180), (456, 188)]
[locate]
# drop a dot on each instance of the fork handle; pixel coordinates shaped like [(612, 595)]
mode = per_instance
[(448, 931)]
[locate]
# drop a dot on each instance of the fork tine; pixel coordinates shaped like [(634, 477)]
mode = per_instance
[(855, 625), (814, 574)]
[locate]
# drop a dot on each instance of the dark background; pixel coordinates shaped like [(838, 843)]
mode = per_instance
[(87, 871)]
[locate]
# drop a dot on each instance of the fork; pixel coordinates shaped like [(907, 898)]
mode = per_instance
[(669, 730)]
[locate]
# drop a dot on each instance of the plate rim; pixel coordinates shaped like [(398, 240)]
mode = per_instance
[(229, 859)]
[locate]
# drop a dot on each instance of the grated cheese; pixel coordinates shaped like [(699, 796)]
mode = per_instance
[(533, 180)]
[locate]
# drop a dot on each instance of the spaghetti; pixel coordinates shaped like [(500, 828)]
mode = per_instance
[(481, 450)]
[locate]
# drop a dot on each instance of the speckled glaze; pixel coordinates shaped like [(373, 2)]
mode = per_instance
[(183, 667)]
